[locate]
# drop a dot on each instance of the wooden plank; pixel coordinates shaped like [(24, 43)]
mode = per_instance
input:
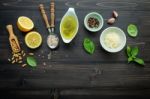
[(70, 66)]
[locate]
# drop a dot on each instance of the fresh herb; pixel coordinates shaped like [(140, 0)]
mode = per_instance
[(31, 61), (139, 61), (128, 51), (132, 53), (132, 30), (89, 45)]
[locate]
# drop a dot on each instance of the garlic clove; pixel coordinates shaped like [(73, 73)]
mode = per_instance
[(111, 21), (115, 14)]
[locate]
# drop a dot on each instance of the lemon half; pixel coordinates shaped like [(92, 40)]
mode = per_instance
[(33, 39), (25, 24)]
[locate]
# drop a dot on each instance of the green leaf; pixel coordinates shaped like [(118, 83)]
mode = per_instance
[(134, 52), (89, 45), (132, 30), (31, 61), (128, 51), (130, 59), (139, 61)]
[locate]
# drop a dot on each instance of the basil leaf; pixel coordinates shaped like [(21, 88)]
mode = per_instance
[(128, 51), (132, 30), (139, 61), (130, 59), (134, 51), (31, 61), (89, 45)]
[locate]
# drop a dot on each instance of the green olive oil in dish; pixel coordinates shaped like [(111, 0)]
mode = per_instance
[(69, 26)]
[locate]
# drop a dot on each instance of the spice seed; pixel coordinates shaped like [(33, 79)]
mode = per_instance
[(20, 58), (31, 53), (24, 54), (19, 54), (16, 59), (20, 62), (23, 65), (13, 62), (12, 58), (9, 60)]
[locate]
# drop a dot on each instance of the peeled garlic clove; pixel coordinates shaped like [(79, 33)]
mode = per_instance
[(111, 21), (115, 14)]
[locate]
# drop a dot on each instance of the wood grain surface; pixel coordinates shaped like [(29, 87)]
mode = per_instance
[(70, 66)]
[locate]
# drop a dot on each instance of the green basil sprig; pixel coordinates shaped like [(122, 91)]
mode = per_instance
[(132, 53)]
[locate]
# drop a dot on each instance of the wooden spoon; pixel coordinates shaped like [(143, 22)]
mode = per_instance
[(13, 40)]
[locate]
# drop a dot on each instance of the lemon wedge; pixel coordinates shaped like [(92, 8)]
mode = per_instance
[(33, 39), (25, 24)]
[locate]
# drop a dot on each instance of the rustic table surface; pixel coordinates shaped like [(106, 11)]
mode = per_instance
[(70, 68)]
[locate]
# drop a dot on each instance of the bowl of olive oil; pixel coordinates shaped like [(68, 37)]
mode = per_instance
[(69, 26)]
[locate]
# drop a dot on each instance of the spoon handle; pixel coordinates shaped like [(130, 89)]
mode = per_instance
[(44, 15), (10, 30), (52, 11)]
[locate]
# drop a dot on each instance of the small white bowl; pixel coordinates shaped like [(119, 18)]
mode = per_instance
[(98, 17), (121, 35)]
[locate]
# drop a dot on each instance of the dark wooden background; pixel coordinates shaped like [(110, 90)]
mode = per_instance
[(71, 70)]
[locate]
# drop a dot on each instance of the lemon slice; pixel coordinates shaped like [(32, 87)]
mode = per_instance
[(25, 24), (33, 39)]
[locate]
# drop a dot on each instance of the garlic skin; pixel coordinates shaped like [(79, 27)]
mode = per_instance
[(115, 14), (111, 21)]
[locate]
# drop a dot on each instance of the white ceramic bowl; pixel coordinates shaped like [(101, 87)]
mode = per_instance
[(120, 33), (93, 15)]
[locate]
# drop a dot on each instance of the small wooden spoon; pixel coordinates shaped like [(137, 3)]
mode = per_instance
[(13, 40)]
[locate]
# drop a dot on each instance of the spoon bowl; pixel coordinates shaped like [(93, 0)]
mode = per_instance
[(52, 41)]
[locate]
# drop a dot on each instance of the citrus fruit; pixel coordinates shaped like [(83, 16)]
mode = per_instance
[(33, 39), (25, 24), (132, 30)]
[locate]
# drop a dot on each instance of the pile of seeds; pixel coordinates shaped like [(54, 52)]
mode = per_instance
[(17, 57)]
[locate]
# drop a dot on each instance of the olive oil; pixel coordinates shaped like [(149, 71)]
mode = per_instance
[(69, 27)]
